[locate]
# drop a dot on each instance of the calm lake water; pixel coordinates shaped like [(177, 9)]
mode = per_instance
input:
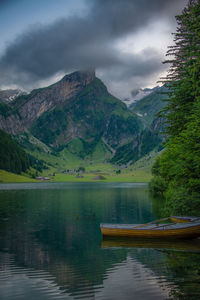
[(51, 246)]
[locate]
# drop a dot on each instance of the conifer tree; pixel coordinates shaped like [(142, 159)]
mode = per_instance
[(177, 170), (183, 75)]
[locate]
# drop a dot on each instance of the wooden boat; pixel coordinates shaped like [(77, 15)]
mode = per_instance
[(183, 227)]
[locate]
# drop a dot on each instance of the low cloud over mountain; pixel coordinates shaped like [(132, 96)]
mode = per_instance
[(91, 40)]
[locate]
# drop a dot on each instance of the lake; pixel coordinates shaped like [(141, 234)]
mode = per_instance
[(51, 245)]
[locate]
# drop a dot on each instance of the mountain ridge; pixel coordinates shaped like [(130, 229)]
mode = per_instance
[(78, 114), (27, 108), (79, 106)]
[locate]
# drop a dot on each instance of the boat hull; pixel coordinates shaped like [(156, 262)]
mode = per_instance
[(184, 233), (183, 219)]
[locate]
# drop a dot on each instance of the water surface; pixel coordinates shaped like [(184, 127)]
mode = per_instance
[(51, 246)]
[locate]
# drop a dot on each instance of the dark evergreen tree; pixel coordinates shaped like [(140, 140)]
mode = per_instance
[(177, 171), (183, 75), (12, 157)]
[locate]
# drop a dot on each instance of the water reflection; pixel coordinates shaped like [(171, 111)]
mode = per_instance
[(160, 244), (51, 246)]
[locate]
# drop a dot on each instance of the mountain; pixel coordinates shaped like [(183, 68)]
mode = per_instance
[(77, 119), (137, 94), (7, 96), (91, 115), (26, 109), (77, 114), (148, 107)]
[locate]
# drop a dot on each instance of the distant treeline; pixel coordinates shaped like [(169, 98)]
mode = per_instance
[(12, 157)]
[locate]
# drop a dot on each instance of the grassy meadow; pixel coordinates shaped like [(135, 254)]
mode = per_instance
[(7, 177), (64, 168), (128, 176)]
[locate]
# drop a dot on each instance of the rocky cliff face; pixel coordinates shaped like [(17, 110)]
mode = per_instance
[(91, 115), (78, 112), (7, 96), (77, 107), (28, 108)]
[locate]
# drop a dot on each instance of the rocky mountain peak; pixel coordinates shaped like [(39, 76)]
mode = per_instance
[(7, 96), (33, 105), (73, 83), (86, 76)]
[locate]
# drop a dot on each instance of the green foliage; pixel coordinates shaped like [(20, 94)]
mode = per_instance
[(76, 147), (180, 201), (100, 113), (19, 101), (148, 109), (177, 169), (158, 185), (89, 147), (131, 152), (37, 164), (151, 104), (50, 125), (183, 80), (12, 157), (4, 109), (82, 148), (122, 124), (125, 154), (149, 140), (92, 114)]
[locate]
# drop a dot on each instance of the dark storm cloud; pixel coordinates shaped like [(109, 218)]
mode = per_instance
[(138, 65), (124, 16), (81, 43)]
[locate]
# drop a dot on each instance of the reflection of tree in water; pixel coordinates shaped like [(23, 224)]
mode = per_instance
[(58, 231), (158, 203), (181, 268), (185, 270), (176, 261)]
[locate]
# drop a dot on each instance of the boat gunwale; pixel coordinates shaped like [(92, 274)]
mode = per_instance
[(140, 227)]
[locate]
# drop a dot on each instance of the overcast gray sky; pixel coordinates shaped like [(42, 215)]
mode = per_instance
[(124, 40)]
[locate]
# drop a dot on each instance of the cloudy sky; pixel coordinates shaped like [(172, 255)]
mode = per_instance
[(124, 40)]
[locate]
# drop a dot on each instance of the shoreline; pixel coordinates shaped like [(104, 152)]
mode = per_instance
[(136, 176)]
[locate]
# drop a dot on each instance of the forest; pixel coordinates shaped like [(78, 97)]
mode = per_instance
[(177, 170), (12, 157)]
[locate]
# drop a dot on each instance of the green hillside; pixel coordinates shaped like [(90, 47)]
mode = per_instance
[(12, 157), (77, 122), (149, 106), (93, 113), (151, 137)]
